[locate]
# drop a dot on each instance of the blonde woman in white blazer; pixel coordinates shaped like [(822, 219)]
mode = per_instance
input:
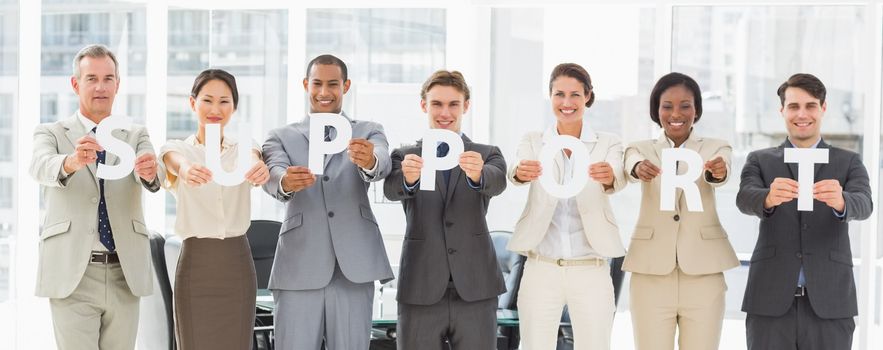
[(568, 241)]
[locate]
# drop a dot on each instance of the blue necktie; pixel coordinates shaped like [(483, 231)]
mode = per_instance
[(105, 235), (442, 151)]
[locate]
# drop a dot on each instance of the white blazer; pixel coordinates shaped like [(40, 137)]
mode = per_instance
[(597, 218)]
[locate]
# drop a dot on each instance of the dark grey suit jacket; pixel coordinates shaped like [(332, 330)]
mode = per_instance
[(818, 239), (446, 235)]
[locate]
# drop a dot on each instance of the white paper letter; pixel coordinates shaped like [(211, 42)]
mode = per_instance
[(318, 146), (213, 155), (671, 180), (806, 158), (579, 155), (111, 144), (431, 162)]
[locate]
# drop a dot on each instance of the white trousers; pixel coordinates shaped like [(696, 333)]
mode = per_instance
[(586, 290)]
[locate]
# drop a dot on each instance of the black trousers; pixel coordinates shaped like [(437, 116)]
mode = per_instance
[(466, 325), (799, 329)]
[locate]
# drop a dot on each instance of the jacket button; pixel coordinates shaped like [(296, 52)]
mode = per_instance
[(677, 217), (799, 255), (330, 214), (448, 224), (805, 226), (94, 200), (325, 178), (451, 250)]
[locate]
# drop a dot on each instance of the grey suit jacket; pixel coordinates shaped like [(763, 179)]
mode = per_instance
[(330, 222), (446, 235), (70, 225), (818, 239)]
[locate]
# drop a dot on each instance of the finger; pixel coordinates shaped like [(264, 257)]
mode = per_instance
[(531, 163)]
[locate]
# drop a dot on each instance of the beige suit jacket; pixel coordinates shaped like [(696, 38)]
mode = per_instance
[(597, 218), (662, 240), (71, 219)]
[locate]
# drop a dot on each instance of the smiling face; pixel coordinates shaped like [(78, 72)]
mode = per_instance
[(677, 112), (445, 106), (96, 86), (569, 100), (213, 104), (803, 116), (326, 87)]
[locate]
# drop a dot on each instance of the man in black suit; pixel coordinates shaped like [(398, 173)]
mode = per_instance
[(449, 278), (801, 291)]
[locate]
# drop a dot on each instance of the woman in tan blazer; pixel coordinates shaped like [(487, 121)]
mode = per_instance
[(568, 241), (677, 258)]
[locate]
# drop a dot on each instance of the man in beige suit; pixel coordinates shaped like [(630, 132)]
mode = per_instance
[(677, 257), (94, 255)]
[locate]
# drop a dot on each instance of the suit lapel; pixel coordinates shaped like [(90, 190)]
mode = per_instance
[(74, 132)]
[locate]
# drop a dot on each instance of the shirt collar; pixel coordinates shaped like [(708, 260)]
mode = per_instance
[(88, 124), (815, 145), (226, 142)]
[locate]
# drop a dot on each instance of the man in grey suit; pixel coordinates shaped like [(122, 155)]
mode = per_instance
[(801, 290), (330, 250), (94, 255), (449, 278)]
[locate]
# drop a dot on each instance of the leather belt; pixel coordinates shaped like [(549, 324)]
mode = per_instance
[(800, 292), (569, 262), (104, 258)]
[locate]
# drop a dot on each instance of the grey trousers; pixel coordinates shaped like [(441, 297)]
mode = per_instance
[(101, 313), (466, 325), (798, 329), (340, 313)]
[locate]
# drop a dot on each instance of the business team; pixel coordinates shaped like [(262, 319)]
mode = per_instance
[(94, 257)]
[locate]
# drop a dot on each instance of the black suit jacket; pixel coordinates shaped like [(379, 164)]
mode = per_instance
[(446, 235), (788, 237)]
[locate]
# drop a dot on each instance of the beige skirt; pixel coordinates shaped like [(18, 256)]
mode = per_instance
[(215, 291)]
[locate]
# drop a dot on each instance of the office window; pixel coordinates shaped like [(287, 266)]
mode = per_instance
[(48, 107), (250, 44), (9, 51), (768, 44)]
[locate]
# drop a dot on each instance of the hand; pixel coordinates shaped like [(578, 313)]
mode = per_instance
[(258, 174), (471, 163), (782, 190), (145, 167), (646, 171), (297, 178), (602, 173), (84, 154), (195, 174), (411, 167), (362, 153), (528, 170), (717, 167), (831, 193)]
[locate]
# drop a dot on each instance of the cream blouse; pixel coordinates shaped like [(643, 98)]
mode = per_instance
[(209, 210)]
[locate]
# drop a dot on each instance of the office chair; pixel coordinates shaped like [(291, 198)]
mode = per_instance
[(262, 237), (512, 265), (157, 323)]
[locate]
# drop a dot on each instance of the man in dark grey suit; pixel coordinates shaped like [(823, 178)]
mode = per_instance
[(330, 250), (449, 278), (801, 291)]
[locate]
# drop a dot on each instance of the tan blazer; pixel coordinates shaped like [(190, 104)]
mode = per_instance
[(694, 241), (597, 217), (70, 224)]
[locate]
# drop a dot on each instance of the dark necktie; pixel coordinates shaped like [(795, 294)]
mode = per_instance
[(440, 152), (327, 133), (105, 235)]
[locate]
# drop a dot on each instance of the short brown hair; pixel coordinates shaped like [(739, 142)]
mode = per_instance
[(446, 78), (806, 82), (577, 72)]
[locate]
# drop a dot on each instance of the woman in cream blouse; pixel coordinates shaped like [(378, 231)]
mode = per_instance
[(215, 283), (568, 241), (677, 257)]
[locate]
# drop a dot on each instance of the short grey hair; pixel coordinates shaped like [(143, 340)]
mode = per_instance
[(95, 51)]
